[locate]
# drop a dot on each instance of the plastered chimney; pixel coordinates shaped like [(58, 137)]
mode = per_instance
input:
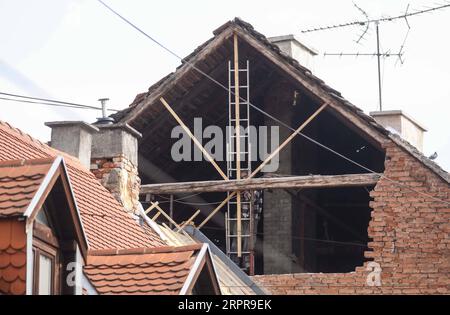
[(403, 124), (74, 138), (291, 46)]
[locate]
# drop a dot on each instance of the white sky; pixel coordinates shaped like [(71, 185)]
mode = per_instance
[(75, 50)]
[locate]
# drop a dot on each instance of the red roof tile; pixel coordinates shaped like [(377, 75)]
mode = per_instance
[(106, 223), (19, 181), (161, 270)]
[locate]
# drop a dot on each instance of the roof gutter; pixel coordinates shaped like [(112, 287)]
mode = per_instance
[(29, 258)]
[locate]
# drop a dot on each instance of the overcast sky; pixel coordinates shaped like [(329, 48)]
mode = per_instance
[(75, 50)]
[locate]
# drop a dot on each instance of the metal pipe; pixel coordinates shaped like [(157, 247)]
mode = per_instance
[(379, 68)]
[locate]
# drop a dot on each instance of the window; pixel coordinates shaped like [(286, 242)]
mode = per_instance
[(46, 271), (45, 275)]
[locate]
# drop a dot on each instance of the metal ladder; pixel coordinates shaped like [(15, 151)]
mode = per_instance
[(247, 238)]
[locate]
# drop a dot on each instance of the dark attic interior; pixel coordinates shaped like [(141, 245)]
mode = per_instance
[(321, 229)]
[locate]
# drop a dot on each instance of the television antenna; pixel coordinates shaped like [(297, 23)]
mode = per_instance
[(366, 23)]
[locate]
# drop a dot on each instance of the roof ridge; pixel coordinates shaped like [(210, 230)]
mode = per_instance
[(27, 162), (145, 250)]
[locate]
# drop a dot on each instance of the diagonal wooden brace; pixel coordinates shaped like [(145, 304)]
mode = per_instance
[(194, 139), (286, 142)]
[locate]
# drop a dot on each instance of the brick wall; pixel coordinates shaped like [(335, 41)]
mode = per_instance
[(120, 177), (410, 238), (277, 244)]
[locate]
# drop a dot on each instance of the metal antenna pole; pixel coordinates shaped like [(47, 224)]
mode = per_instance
[(379, 68)]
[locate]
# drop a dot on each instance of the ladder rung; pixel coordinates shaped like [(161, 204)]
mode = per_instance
[(241, 87), (235, 253), (242, 219), (242, 152), (242, 169)]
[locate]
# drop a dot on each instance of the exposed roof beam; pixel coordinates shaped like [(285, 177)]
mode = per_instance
[(311, 181)]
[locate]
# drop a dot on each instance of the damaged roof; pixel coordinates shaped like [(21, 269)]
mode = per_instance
[(106, 223), (309, 80)]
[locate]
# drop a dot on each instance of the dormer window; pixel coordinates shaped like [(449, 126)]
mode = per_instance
[(46, 251)]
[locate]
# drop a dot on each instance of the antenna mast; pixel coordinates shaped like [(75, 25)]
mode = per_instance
[(377, 22)]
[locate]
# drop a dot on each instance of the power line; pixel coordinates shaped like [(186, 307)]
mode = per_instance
[(49, 102), (262, 111), (385, 19)]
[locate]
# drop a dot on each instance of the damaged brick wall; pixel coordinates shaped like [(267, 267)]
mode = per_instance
[(120, 177), (410, 239)]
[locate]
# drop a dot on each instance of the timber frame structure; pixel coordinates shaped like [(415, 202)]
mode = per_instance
[(310, 181)]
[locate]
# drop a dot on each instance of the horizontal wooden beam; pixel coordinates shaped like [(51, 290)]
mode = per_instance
[(312, 181)]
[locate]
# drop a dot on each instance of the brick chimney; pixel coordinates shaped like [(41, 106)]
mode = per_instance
[(399, 122), (291, 46), (114, 161), (74, 138)]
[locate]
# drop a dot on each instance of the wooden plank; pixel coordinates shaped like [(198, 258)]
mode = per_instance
[(153, 206), (166, 215), (156, 216), (289, 139), (309, 181), (194, 139), (224, 202)]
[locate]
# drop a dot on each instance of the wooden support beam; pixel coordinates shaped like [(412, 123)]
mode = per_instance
[(194, 139), (289, 139), (309, 181), (153, 206), (223, 203), (189, 220), (161, 211)]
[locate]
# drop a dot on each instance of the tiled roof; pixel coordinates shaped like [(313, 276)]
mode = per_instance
[(12, 257), (19, 181), (105, 222), (162, 270), (230, 282)]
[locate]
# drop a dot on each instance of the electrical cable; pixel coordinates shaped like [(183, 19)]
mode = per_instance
[(262, 111), (50, 102)]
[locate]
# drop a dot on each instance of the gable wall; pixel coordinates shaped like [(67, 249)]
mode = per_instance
[(410, 236)]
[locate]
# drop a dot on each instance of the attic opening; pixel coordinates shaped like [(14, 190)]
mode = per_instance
[(54, 245), (278, 94)]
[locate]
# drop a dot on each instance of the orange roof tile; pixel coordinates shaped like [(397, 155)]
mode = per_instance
[(106, 223), (161, 270), (12, 257), (19, 181)]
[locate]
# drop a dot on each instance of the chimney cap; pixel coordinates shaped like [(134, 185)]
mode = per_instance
[(398, 113), (84, 125), (124, 126), (293, 38)]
